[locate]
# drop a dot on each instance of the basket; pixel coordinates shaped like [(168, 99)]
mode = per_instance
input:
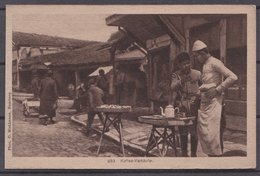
[(118, 109)]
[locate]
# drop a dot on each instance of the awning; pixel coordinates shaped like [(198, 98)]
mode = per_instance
[(141, 26), (106, 69), (39, 66), (147, 26), (130, 56)]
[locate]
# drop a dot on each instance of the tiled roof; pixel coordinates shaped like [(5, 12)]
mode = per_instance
[(29, 39)]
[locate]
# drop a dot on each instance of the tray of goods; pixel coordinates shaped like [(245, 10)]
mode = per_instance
[(161, 120), (113, 108)]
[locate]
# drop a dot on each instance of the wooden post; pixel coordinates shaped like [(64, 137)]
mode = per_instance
[(77, 78), (149, 81), (154, 77), (17, 74), (172, 55), (223, 39), (17, 69), (112, 86), (187, 40)]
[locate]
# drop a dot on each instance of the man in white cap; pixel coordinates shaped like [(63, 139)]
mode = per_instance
[(213, 86)]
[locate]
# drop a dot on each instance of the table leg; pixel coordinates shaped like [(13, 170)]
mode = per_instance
[(164, 138), (177, 137), (102, 135), (157, 145), (121, 135), (173, 137), (151, 143)]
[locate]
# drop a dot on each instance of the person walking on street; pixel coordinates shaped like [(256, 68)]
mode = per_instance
[(95, 99), (185, 85), (102, 83), (48, 98), (213, 86)]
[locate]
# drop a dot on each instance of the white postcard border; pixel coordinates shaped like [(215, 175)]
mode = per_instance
[(136, 162)]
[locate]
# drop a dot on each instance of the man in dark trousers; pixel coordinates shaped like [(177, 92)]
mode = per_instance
[(185, 89), (48, 98), (95, 99)]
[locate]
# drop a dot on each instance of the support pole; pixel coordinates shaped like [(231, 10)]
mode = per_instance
[(112, 59), (223, 39), (187, 40), (77, 78)]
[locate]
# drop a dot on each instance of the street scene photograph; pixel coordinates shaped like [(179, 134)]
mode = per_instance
[(124, 85)]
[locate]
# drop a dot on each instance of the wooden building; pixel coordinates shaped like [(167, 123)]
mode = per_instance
[(74, 67), (70, 67), (26, 45), (164, 36)]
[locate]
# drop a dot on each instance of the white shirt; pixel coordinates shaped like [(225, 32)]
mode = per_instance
[(212, 72)]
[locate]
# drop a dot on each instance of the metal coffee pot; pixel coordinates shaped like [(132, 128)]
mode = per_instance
[(169, 111)]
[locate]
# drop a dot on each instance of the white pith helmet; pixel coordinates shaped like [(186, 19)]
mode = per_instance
[(198, 45)]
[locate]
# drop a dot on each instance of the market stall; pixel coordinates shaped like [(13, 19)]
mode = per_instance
[(113, 116)]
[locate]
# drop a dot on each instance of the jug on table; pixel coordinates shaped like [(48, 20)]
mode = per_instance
[(169, 111)]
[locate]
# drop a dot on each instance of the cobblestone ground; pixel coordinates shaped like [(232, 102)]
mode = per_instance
[(62, 139)]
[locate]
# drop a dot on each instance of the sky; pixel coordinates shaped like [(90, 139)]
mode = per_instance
[(79, 26)]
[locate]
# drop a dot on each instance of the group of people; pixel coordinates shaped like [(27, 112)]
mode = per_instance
[(80, 100), (91, 95), (88, 96), (196, 93), (200, 94)]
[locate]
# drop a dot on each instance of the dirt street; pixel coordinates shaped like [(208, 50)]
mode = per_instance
[(62, 139)]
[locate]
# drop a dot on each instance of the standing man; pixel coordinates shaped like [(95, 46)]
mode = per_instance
[(48, 97), (102, 83), (95, 96), (185, 85), (209, 115)]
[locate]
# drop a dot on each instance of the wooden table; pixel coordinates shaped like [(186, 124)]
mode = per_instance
[(164, 132), (113, 118)]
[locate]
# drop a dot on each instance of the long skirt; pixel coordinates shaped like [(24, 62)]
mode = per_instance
[(46, 108), (208, 126)]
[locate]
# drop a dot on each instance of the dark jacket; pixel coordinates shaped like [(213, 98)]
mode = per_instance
[(48, 96), (102, 83), (48, 89), (95, 95)]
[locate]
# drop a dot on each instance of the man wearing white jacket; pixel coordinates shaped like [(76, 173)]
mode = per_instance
[(209, 115)]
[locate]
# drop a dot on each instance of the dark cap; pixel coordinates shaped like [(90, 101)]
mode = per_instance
[(101, 71), (184, 56), (91, 81)]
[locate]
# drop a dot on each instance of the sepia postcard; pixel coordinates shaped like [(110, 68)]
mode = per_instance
[(130, 87)]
